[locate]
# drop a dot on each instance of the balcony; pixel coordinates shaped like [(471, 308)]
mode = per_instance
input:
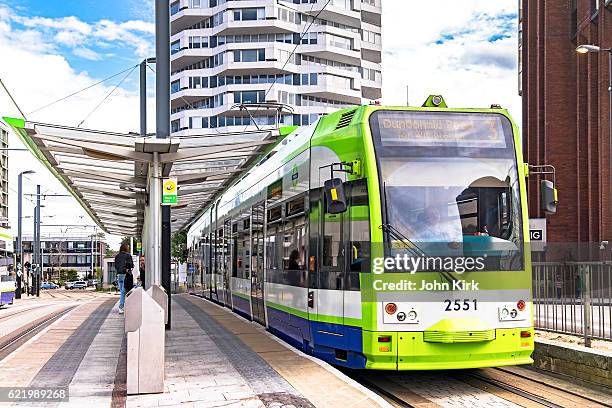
[(371, 13)]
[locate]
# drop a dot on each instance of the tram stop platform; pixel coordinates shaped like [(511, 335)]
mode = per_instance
[(213, 359)]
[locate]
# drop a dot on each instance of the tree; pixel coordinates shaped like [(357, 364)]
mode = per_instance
[(126, 240), (178, 246)]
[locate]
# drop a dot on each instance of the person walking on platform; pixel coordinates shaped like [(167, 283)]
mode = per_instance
[(123, 263)]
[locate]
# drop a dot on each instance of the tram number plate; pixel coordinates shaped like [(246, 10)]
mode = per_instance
[(458, 304)]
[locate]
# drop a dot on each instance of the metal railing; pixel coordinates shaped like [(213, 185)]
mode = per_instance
[(573, 298)]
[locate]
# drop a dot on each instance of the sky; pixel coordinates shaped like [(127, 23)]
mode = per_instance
[(465, 50)]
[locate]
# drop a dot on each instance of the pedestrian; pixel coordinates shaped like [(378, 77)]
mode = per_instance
[(141, 266), (123, 264)]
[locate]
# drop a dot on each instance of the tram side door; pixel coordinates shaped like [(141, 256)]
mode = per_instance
[(257, 264), (329, 290)]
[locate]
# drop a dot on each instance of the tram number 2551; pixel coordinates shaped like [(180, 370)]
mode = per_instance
[(458, 304)]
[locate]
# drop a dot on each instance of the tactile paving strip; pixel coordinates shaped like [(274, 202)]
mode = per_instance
[(60, 369), (269, 386)]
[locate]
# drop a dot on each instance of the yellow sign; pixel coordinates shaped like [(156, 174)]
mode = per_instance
[(169, 188)]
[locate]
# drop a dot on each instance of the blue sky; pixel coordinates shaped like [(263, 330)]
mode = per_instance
[(98, 37)]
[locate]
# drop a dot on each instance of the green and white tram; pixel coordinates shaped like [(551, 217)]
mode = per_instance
[(389, 238)]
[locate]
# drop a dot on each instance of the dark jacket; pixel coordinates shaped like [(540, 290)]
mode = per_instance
[(123, 262)]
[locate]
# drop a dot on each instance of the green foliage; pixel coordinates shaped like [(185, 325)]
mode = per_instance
[(72, 275), (126, 240), (178, 246)]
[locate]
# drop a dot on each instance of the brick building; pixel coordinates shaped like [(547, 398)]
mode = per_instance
[(566, 112)]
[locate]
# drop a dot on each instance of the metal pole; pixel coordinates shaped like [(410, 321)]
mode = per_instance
[(162, 109), (91, 260), (586, 311), (143, 98), (21, 269), (38, 272)]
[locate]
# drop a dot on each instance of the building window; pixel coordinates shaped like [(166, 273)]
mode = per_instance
[(249, 97), (175, 47), (175, 126), (198, 41), (175, 7), (249, 14), (249, 55)]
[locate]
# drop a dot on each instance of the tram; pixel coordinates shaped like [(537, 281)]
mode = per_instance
[(7, 290), (389, 238)]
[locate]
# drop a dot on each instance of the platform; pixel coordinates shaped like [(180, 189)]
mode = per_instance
[(213, 359)]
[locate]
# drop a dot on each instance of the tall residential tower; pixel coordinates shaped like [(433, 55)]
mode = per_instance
[(316, 56)]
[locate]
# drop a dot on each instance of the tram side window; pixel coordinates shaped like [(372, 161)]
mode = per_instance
[(294, 236), (359, 227), (274, 238), (235, 250), (332, 240)]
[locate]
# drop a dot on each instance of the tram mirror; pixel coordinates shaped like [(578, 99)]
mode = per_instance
[(548, 195), (335, 200)]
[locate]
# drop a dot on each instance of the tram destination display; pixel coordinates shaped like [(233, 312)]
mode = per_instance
[(448, 129)]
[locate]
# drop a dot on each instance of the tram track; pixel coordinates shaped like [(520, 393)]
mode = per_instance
[(12, 341), (552, 386), (20, 311), (511, 387)]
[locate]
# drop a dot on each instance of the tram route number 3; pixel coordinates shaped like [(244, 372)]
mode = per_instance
[(458, 304)]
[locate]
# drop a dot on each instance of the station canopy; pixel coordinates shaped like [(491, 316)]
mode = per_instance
[(108, 172)]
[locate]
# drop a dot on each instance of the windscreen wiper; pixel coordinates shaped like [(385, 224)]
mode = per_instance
[(412, 248)]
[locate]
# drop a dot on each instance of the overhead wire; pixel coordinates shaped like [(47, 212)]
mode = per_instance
[(294, 49), (181, 97), (107, 95), (12, 99), (82, 90)]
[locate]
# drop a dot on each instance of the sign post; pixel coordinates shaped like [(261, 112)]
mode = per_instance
[(537, 234), (169, 191)]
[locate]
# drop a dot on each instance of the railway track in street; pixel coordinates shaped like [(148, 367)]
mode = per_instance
[(14, 340), (4, 316), (508, 387)]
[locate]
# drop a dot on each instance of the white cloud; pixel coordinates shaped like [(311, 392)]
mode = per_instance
[(36, 76), (87, 54), (74, 33), (466, 67)]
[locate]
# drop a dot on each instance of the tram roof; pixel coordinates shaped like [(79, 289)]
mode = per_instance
[(107, 172)]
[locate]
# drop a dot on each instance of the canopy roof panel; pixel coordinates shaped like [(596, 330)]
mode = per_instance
[(108, 172)]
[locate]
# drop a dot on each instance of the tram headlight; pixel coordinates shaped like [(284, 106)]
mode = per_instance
[(513, 313), (504, 313), (412, 315)]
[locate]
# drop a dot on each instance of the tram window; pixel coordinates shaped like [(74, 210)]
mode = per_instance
[(332, 239), (295, 206), (274, 214), (359, 228), (274, 242), (294, 244)]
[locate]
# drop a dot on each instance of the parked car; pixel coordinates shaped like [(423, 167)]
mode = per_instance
[(49, 285), (92, 282), (79, 285), (69, 285)]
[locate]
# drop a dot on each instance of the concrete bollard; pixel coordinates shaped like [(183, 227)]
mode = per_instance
[(160, 295), (146, 339)]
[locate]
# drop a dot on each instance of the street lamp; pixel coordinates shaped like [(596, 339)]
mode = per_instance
[(585, 49), (19, 217)]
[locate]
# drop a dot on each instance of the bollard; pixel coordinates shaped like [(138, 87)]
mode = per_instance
[(144, 325), (160, 295)]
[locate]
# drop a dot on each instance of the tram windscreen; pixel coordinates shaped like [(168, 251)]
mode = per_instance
[(450, 184)]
